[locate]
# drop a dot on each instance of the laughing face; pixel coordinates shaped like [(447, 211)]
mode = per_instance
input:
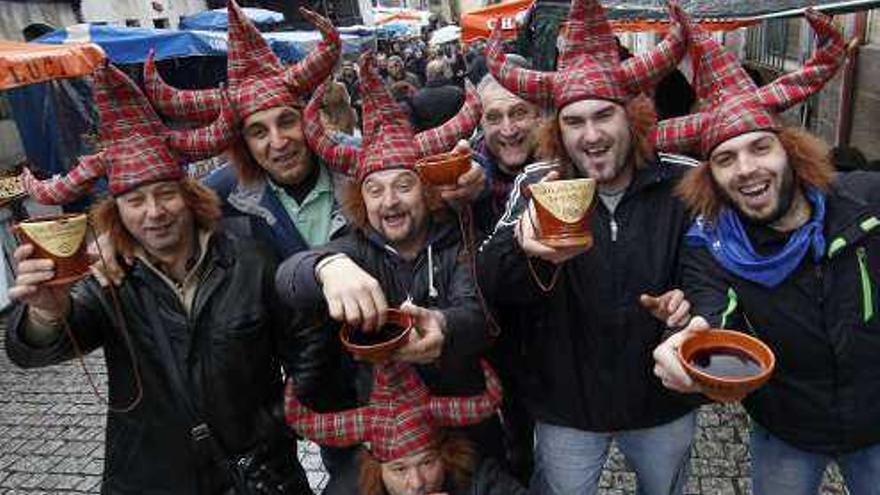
[(396, 207), (597, 137), (509, 124), (276, 141), (753, 173)]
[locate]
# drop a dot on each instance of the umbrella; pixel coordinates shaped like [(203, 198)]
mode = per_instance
[(446, 34), (218, 20), (26, 63)]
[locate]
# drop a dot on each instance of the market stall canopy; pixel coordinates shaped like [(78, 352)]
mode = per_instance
[(650, 15), (126, 45), (446, 34), (26, 63), (218, 19)]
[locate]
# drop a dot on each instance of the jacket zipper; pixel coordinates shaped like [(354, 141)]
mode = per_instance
[(867, 285)]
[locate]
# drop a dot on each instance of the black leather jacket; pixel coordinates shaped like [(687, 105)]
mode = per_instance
[(227, 349)]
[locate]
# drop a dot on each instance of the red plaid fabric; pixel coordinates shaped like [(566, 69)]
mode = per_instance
[(401, 418), (341, 158), (256, 78), (731, 104), (137, 147), (589, 65), (389, 140)]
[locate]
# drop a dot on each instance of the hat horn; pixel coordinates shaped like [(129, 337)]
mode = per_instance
[(310, 71), (532, 85), (210, 140), (61, 189), (795, 87), (642, 72), (458, 411), (340, 429), (199, 105)]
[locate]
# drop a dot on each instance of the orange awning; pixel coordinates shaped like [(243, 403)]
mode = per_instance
[(28, 63), (478, 24)]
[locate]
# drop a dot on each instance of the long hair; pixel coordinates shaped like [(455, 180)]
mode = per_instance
[(355, 210), (459, 461), (203, 202), (641, 115), (336, 112), (808, 156)]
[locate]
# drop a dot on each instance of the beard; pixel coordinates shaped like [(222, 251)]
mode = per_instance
[(786, 198)]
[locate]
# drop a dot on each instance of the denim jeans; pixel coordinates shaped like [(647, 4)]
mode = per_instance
[(569, 461), (779, 468)]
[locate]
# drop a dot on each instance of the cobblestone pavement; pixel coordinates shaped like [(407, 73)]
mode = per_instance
[(51, 439)]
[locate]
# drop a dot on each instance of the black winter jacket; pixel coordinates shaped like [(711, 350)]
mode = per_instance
[(822, 323), (228, 351), (584, 357), (457, 372)]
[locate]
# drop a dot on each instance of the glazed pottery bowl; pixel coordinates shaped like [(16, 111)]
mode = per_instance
[(727, 365), (444, 169), (378, 346)]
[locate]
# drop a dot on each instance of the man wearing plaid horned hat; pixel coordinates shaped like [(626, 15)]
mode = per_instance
[(407, 447), (276, 188), (596, 315), (194, 334), (787, 251), (405, 250)]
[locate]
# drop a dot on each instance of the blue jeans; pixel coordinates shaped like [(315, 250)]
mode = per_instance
[(569, 461), (779, 468)]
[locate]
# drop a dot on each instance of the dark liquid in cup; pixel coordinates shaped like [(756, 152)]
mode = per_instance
[(725, 362), (385, 333)]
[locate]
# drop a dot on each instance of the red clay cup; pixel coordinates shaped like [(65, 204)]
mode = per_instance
[(726, 388), (60, 238), (444, 169), (561, 211), (377, 346)]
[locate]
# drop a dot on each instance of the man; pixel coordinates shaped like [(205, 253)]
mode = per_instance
[(586, 359), (276, 189), (438, 100), (510, 126), (404, 250), (409, 449), (397, 72), (193, 336), (787, 251)]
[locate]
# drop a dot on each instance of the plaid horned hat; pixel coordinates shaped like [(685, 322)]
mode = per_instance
[(137, 148), (256, 79), (731, 104), (402, 417), (389, 139), (589, 65)]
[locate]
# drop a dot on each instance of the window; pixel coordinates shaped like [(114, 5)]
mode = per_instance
[(161, 23), (132, 23)]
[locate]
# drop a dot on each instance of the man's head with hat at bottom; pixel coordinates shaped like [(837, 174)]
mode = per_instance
[(407, 449)]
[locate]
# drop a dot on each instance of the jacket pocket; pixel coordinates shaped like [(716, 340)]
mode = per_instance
[(869, 295), (245, 326)]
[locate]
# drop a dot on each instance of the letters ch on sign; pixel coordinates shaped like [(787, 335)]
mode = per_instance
[(506, 23)]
